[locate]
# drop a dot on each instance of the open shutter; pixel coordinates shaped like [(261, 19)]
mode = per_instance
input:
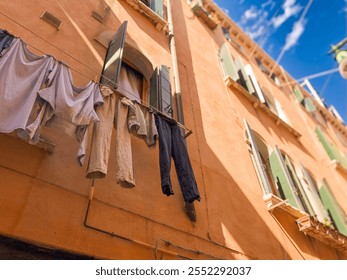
[(113, 59), (282, 179), (298, 94), (165, 89), (245, 81), (302, 198), (312, 193), (228, 63), (280, 112), (309, 105), (158, 7), (256, 86), (326, 144), (333, 208), (258, 164), (160, 90), (154, 89)]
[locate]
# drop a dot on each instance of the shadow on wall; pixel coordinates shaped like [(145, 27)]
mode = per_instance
[(232, 219)]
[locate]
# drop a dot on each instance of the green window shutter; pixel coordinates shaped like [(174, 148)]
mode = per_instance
[(160, 90), (302, 198), (309, 105), (228, 63), (333, 208), (298, 94), (158, 7), (113, 59), (258, 164), (245, 81), (311, 191), (326, 144), (281, 177), (340, 158)]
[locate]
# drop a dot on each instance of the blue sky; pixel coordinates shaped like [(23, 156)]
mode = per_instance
[(298, 34)]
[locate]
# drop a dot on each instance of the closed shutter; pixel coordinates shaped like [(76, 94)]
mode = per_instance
[(113, 59), (228, 63), (158, 7), (309, 105), (245, 81), (298, 94), (256, 86), (333, 208), (257, 162), (282, 179), (311, 190), (160, 90)]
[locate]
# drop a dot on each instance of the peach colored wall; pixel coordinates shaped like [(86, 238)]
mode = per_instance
[(44, 197)]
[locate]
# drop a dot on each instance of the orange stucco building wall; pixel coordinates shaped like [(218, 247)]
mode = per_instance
[(44, 196)]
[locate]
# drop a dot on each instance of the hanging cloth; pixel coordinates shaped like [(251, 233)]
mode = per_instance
[(22, 74), (5, 40), (171, 144), (67, 108)]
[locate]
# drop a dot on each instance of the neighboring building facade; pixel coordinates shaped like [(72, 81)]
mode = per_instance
[(269, 158)]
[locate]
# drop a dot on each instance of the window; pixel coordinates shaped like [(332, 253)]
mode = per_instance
[(155, 5), (260, 158), (154, 10), (234, 69), (286, 180), (131, 74), (262, 66), (205, 15), (276, 175), (160, 90), (331, 205), (306, 102), (294, 189), (332, 151)]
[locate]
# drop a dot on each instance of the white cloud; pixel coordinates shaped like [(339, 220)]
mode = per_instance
[(290, 8), (249, 14), (294, 36)]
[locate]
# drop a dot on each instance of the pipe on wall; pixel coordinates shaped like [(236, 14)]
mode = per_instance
[(178, 94)]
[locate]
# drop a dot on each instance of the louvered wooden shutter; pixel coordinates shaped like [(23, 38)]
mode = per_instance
[(113, 59), (283, 181), (311, 190), (309, 105), (165, 90), (228, 63), (326, 144), (302, 198), (333, 208), (160, 90), (298, 94), (258, 164)]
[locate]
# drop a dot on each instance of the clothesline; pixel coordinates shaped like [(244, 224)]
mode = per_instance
[(146, 105)]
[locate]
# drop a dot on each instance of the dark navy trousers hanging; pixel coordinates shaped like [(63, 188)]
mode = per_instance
[(171, 144)]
